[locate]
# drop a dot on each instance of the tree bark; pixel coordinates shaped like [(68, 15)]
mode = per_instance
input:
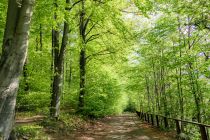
[(82, 78), (25, 75), (148, 93), (70, 74), (59, 54), (55, 100), (179, 78), (156, 94), (83, 26), (40, 37), (15, 45), (192, 76)]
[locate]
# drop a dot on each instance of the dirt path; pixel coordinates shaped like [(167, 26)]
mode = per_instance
[(30, 120), (124, 127)]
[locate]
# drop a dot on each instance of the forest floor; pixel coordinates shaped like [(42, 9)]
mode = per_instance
[(28, 120), (123, 127)]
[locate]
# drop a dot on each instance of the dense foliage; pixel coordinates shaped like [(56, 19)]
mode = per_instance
[(152, 56)]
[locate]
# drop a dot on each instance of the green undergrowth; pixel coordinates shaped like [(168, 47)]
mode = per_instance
[(38, 102), (65, 124), (30, 132), (49, 127)]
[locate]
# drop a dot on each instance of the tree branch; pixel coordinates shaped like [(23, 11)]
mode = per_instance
[(103, 52), (130, 12), (99, 1), (95, 36), (92, 37), (69, 8), (86, 23), (91, 29)]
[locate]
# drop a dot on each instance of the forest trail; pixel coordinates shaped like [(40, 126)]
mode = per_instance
[(123, 127), (29, 120)]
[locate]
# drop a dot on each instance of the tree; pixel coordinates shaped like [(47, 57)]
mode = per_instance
[(82, 62), (15, 45), (96, 26), (172, 52), (58, 53)]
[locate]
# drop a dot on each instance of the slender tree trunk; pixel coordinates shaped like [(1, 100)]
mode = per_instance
[(59, 54), (55, 100), (25, 75), (39, 42), (54, 66), (179, 74), (180, 95), (40, 37), (69, 71), (163, 91), (13, 57), (148, 93), (180, 91), (195, 92), (156, 94), (82, 79), (70, 74), (192, 76), (82, 58)]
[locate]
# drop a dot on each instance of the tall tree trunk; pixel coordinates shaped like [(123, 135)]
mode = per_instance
[(179, 76), (83, 25), (148, 93), (55, 78), (70, 74), (195, 91), (156, 94), (59, 54), (192, 75), (69, 71), (15, 47), (163, 91), (25, 75), (82, 78), (40, 37)]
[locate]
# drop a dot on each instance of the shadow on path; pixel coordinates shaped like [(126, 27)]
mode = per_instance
[(124, 127)]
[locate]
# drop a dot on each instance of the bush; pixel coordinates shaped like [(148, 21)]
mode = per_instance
[(103, 95)]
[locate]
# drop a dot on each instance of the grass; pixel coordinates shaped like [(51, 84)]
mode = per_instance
[(30, 132), (48, 127)]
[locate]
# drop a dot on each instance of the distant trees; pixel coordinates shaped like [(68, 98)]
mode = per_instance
[(173, 69), (95, 25), (89, 30)]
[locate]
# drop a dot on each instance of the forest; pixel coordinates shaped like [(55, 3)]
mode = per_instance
[(71, 62)]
